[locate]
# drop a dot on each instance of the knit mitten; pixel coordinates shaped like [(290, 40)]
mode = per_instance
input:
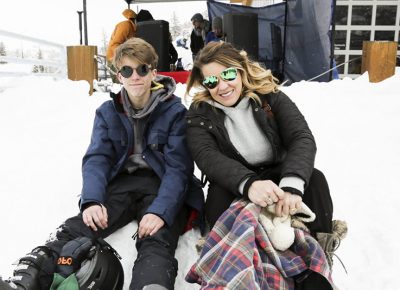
[(278, 229), (302, 216)]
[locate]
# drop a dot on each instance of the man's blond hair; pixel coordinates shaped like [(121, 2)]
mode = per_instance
[(138, 49)]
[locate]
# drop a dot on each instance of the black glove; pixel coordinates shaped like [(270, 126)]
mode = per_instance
[(72, 254)]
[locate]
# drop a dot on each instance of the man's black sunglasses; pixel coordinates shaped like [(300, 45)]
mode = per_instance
[(142, 70)]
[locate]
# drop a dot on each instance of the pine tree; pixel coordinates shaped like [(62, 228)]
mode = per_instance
[(175, 26), (3, 51), (103, 49), (39, 68)]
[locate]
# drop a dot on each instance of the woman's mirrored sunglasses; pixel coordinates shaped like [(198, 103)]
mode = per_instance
[(142, 70), (228, 74)]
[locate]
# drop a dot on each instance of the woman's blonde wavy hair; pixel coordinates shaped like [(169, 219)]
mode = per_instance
[(255, 79)]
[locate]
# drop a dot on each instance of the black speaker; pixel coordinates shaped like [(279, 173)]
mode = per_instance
[(275, 64), (241, 29), (276, 42), (156, 32)]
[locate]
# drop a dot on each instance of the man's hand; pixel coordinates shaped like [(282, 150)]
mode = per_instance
[(264, 192), (95, 216), (149, 225)]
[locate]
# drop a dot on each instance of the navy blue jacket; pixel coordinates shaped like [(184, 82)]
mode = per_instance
[(165, 150)]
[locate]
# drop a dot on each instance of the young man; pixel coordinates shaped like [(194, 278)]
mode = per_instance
[(137, 166)]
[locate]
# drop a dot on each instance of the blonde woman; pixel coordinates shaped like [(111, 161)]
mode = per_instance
[(251, 141)]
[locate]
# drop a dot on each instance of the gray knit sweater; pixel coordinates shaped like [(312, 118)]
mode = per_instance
[(249, 140), (244, 133)]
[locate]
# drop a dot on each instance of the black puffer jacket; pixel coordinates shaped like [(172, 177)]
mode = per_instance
[(292, 142)]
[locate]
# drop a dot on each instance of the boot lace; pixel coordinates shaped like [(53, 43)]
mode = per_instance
[(330, 254)]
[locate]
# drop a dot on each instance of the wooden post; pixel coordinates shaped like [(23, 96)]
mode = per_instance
[(247, 2), (81, 64), (379, 59), (244, 2)]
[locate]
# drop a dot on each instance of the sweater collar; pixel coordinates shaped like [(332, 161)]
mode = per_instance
[(242, 105)]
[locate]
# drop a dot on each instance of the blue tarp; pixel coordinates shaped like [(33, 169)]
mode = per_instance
[(307, 47)]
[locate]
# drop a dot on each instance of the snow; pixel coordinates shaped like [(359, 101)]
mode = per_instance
[(45, 128)]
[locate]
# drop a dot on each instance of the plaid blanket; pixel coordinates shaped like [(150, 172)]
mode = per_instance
[(238, 255)]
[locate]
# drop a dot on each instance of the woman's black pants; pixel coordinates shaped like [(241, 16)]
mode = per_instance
[(316, 196)]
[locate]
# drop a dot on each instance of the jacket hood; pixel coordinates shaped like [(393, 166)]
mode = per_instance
[(129, 13), (164, 86), (162, 89)]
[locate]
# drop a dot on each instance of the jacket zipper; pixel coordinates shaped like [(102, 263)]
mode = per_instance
[(226, 136)]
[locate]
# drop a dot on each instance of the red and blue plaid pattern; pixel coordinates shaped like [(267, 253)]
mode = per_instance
[(239, 255)]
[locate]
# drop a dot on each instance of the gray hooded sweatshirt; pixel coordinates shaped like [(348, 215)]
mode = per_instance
[(161, 90)]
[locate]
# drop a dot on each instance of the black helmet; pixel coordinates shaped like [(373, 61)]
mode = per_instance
[(101, 270)]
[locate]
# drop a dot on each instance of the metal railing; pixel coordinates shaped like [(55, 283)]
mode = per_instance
[(335, 67), (59, 65)]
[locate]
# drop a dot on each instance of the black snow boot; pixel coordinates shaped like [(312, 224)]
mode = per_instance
[(7, 285), (27, 273)]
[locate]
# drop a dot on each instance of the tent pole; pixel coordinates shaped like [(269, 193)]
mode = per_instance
[(80, 26), (85, 21), (284, 39), (333, 25)]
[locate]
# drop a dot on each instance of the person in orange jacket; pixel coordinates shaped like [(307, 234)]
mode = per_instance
[(122, 31)]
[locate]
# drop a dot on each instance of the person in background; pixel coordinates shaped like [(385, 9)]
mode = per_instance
[(145, 15), (172, 53), (137, 166), (199, 33), (216, 34), (122, 31), (252, 143), (181, 42)]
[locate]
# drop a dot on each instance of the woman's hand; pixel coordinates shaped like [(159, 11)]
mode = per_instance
[(264, 192), (95, 216), (288, 204)]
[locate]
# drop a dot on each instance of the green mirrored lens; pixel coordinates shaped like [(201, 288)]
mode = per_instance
[(210, 82), (229, 74)]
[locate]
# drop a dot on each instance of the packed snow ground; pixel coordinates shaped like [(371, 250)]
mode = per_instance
[(45, 129)]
